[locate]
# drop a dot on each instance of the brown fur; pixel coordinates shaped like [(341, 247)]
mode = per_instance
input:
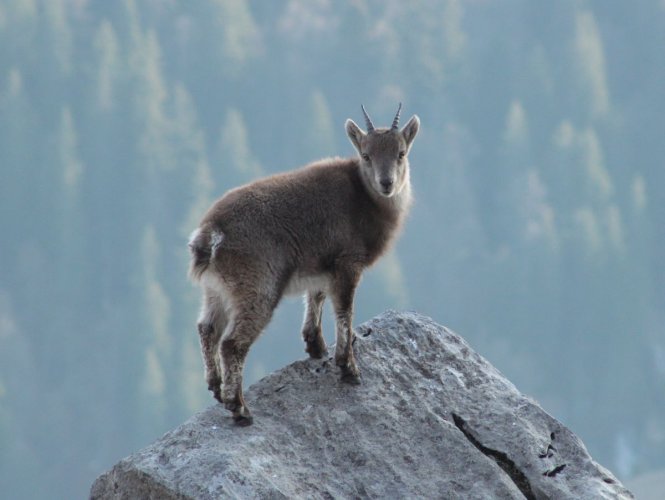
[(312, 230)]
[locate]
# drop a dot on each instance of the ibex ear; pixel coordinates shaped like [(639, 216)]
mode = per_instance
[(355, 133), (410, 130)]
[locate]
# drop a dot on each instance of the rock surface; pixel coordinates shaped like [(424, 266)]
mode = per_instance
[(431, 419)]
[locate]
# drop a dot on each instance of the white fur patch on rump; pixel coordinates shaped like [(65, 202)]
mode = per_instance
[(216, 238), (193, 236)]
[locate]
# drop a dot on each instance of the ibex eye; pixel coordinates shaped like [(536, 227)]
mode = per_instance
[(365, 157), (402, 154)]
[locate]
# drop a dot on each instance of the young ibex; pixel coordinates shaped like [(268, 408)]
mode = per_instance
[(313, 230)]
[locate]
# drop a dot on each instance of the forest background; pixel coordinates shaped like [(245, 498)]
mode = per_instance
[(537, 230)]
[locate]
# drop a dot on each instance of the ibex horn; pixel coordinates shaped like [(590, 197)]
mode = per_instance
[(370, 126), (396, 120)]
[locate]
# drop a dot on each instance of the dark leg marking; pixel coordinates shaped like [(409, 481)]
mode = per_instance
[(312, 334)]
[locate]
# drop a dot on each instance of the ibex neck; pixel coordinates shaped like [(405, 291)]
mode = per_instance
[(400, 201)]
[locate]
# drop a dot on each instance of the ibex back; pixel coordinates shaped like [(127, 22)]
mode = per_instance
[(314, 231)]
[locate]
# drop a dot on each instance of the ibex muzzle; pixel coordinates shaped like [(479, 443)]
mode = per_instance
[(312, 230)]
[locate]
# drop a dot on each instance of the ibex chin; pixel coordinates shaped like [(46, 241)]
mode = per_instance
[(312, 230)]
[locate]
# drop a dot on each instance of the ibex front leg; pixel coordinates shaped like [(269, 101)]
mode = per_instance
[(343, 291), (311, 328)]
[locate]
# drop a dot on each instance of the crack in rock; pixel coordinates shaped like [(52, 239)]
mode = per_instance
[(549, 453), (555, 471), (501, 459)]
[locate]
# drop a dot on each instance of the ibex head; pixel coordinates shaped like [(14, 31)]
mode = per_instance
[(383, 152)]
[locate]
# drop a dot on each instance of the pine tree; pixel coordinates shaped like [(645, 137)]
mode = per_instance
[(590, 65), (107, 72), (156, 343), (240, 36), (319, 131), (234, 157)]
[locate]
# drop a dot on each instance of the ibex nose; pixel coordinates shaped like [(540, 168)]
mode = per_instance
[(386, 183)]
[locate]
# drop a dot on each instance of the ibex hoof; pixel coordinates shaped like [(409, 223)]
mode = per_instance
[(350, 375), (217, 393), (241, 415), (243, 420), (316, 351)]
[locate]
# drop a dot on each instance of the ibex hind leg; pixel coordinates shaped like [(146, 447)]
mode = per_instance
[(211, 325), (248, 322), (315, 345)]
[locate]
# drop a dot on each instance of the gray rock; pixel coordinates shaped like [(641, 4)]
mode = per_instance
[(431, 419)]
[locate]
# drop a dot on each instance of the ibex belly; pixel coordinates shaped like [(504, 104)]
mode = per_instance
[(300, 283)]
